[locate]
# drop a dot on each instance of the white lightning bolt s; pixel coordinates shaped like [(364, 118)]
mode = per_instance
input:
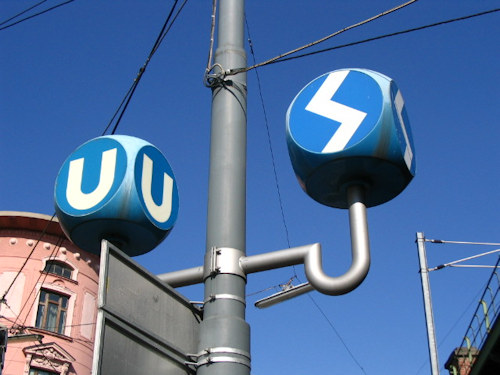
[(322, 104)]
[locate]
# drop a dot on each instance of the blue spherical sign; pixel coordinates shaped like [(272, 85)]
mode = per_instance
[(350, 127), (118, 188)]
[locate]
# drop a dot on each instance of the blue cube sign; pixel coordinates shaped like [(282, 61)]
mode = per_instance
[(336, 118), (350, 127), (119, 188)]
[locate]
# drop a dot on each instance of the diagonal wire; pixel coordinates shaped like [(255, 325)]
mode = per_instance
[(282, 56), (266, 121), (336, 333), (34, 15), (463, 260), (131, 91), (128, 96), (27, 258), (381, 37), (21, 13), (282, 210), (212, 38), (454, 325), (44, 275), (463, 242)]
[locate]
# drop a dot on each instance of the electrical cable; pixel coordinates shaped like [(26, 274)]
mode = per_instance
[(266, 122), (283, 55), (280, 59), (212, 38), (470, 266), (442, 341), (283, 286), (453, 264), (279, 287), (44, 274), (122, 106), (463, 242), (126, 100), (462, 260), (21, 13), (34, 15), (26, 260), (128, 96), (337, 333)]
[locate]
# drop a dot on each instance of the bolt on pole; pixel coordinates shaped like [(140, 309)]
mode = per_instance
[(426, 292), (224, 334)]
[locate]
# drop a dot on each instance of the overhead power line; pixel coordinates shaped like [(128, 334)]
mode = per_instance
[(463, 242), (289, 283), (389, 35), (21, 13), (33, 289), (283, 58), (450, 264), (3, 298), (128, 96), (266, 121), (33, 15)]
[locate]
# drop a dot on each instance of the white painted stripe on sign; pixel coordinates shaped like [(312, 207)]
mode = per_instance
[(322, 104), (399, 102), (161, 212)]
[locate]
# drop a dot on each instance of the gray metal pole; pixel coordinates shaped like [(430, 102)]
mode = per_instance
[(426, 291), (224, 334)]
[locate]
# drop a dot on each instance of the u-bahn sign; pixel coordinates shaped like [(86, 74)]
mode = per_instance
[(119, 188)]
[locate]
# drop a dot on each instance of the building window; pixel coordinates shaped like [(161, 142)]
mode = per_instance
[(58, 268), (52, 310), (35, 371)]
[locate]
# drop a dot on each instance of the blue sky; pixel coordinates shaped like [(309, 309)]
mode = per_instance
[(64, 74)]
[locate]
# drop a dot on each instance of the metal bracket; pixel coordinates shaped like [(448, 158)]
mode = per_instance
[(232, 261), (214, 297), (205, 357), (214, 76), (225, 260)]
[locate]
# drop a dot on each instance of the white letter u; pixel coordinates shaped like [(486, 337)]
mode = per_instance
[(74, 194), (162, 212)]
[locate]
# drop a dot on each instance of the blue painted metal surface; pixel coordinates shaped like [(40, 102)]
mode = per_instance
[(120, 188), (348, 127)]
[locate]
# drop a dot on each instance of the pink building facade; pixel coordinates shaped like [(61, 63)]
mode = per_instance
[(50, 289)]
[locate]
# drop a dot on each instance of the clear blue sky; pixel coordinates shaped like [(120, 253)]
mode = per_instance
[(64, 73)]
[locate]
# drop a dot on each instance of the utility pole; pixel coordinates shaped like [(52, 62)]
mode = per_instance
[(426, 292), (224, 334)]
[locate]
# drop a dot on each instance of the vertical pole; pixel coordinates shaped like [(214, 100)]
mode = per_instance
[(426, 291), (224, 333)]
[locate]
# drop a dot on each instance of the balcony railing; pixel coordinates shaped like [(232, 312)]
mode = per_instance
[(480, 326)]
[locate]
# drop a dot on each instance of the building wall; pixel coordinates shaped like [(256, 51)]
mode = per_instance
[(71, 351)]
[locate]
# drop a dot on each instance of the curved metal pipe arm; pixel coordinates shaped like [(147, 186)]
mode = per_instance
[(360, 250), (310, 255)]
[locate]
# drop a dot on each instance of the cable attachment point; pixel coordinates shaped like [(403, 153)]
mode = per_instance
[(214, 76)]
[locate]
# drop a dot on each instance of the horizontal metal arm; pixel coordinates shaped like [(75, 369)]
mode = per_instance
[(185, 277), (309, 255)]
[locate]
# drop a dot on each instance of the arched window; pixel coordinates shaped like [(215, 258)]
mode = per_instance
[(52, 311), (58, 268)]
